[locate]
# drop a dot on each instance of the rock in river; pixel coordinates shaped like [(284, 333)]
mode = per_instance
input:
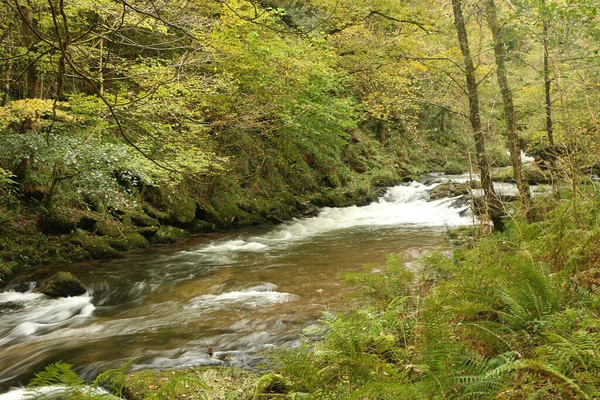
[(62, 284)]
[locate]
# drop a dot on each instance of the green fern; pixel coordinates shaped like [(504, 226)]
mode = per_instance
[(58, 373), (529, 297)]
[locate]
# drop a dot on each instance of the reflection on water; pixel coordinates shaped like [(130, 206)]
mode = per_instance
[(240, 292)]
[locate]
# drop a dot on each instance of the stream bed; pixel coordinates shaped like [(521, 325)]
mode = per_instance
[(238, 292)]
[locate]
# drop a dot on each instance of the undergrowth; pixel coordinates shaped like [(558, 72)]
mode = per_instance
[(511, 316)]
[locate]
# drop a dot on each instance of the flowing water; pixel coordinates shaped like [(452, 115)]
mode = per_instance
[(239, 292)]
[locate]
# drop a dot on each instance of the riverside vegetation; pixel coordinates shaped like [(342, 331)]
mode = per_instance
[(130, 123)]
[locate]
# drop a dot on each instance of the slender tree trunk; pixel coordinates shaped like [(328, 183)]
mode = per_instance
[(32, 72), (7, 77), (494, 207), (548, 100), (101, 67), (509, 108)]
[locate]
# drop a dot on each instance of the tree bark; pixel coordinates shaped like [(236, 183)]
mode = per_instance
[(509, 108), (494, 207), (548, 98), (32, 72)]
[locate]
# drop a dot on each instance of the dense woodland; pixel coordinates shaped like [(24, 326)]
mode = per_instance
[(157, 119)]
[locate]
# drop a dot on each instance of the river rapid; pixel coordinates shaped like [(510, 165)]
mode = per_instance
[(238, 292)]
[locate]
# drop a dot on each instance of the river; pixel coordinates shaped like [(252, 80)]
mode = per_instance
[(238, 292)]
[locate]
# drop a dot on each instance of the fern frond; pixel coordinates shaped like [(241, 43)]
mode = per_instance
[(58, 373)]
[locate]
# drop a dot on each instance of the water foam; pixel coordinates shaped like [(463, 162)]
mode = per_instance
[(404, 205), (47, 392), (40, 313), (262, 295)]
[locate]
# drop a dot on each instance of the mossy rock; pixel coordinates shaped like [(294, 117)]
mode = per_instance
[(207, 213), (503, 175), (454, 168), (535, 175), (173, 207), (199, 226), (97, 246), (129, 241), (7, 307), (252, 221), (170, 235), (155, 213), (62, 284), (148, 231), (190, 383), (110, 229), (141, 219), (385, 179), (532, 173), (449, 189), (271, 386), (60, 221)]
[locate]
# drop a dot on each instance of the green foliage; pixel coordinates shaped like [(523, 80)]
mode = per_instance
[(56, 374), (492, 321)]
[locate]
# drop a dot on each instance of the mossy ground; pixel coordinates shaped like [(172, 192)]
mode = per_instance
[(192, 383)]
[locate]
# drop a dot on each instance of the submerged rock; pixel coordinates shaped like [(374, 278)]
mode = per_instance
[(8, 306), (62, 284)]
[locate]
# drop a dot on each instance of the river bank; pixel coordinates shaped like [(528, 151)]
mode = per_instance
[(34, 237)]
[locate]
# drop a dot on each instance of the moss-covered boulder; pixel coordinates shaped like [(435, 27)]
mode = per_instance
[(110, 229), (454, 168), (141, 219), (449, 189), (62, 284), (190, 383), (170, 206), (129, 241), (532, 172), (271, 386), (148, 231), (64, 220), (206, 212), (535, 175), (97, 247), (169, 235)]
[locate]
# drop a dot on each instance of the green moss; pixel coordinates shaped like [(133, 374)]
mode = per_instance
[(169, 235), (190, 383), (98, 247), (129, 241), (533, 174), (454, 168), (449, 189), (148, 231), (173, 206), (110, 229), (503, 175), (271, 386), (141, 219), (62, 284)]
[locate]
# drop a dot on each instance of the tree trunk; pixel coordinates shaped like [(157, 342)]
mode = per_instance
[(494, 207), (7, 77), (32, 73), (509, 108), (548, 99)]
